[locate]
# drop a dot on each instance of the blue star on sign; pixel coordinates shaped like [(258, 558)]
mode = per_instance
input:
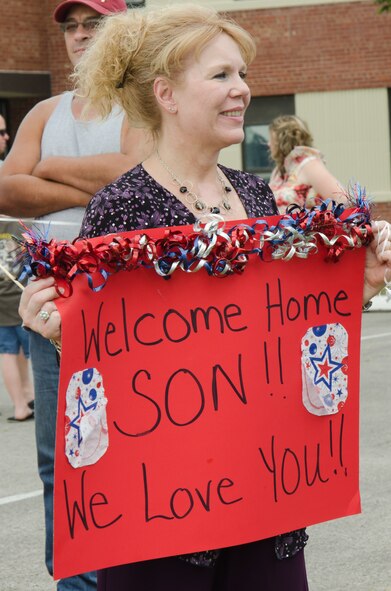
[(81, 411), (325, 367)]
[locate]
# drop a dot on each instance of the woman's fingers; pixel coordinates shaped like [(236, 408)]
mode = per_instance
[(49, 328), (382, 242), (31, 304), (38, 309)]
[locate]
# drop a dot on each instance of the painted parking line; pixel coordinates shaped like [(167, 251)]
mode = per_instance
[(376, 336), (21, 497)]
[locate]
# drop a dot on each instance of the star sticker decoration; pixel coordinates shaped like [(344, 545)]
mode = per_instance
[(82, 409), (325, 367)]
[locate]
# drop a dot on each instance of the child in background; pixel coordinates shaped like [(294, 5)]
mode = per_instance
[(14, 340)]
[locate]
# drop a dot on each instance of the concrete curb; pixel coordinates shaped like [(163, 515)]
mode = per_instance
[(381, 303)]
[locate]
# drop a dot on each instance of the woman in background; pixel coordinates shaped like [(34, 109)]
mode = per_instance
[(300, 175)]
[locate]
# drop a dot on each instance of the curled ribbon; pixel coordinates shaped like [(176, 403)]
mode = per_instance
[(298, 233)]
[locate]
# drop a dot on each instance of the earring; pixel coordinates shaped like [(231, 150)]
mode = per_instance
[(172, 109)]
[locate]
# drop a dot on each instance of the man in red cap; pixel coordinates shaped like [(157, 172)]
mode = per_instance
[(104, 7), (56, 163), (37, 180)]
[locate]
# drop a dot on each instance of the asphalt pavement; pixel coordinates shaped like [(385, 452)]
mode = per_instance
[(353, 553)]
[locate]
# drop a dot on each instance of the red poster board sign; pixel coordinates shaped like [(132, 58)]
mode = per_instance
[(208, 442)]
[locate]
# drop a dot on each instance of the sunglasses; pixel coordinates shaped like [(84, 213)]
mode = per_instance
[(3, 132), (88, 25)]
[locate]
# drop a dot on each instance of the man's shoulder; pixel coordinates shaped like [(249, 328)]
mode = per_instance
[(45, 108)]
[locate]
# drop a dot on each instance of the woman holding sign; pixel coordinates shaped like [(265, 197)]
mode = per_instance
[(181, 73)]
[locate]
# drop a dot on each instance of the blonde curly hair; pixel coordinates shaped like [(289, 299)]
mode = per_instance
[(288, 131), (131, 50)]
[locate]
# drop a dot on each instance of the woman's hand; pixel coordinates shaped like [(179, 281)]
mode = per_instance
[(378, 261), (38, 310)]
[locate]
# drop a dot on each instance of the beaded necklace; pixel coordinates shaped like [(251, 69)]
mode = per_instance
[(198, 205)]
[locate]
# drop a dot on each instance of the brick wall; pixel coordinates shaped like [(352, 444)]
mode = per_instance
[(382, 211), (30, 40), (23, 39), (319, 48), (300, 49)]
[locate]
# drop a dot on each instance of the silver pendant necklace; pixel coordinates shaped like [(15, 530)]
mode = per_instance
[(199, 206)]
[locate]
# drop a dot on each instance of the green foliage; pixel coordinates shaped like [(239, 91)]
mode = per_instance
[(385, 5)]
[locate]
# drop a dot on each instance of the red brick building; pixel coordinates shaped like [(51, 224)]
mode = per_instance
[(327, 60)]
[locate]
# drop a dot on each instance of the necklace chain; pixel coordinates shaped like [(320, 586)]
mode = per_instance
[(198, 205)]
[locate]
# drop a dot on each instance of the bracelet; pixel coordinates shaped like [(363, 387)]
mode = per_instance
[(56, 345), (367, 306)]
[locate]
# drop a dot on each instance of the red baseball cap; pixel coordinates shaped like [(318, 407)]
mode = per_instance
[(101, 6)]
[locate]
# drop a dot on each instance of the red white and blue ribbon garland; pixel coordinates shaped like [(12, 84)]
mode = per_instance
[(299, 233)]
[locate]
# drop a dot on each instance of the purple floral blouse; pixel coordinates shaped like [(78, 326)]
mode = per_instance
[(136, 201)]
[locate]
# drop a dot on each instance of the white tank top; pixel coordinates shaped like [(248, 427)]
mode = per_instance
[(66, 136)]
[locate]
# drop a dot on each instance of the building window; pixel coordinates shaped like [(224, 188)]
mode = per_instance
[(3, 108), (256, 150), (260, 113), (135, 3)]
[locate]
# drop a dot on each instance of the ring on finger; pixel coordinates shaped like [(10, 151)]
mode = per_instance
[(44, 315)]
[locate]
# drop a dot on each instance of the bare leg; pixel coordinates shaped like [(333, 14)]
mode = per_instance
[(13, 383), (25, 376)]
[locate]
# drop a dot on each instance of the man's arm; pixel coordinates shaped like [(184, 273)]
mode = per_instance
[(91, 173), (22, 194), (27, 196)]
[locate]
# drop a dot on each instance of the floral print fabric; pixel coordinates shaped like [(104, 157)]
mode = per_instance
[(287, 189), (136, 201)]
